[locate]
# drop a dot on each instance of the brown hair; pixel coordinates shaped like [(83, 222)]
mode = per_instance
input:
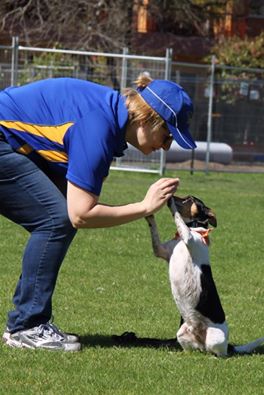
[(138, 109)]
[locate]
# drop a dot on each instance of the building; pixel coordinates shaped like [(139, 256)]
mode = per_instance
[(241, 18)]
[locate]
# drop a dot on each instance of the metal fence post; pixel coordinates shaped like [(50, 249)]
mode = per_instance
[(14, 61), (167, 76), (168, 63), (210, 112), (123, 82)]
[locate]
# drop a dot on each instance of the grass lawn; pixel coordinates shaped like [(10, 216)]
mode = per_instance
[(110, 283)]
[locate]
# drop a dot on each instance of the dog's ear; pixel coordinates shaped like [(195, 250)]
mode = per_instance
[(211, 218)]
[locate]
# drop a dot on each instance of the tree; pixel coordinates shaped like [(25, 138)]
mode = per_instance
[(105, 25), (243, 68), (187, 17), (237, 52), (83, 24)]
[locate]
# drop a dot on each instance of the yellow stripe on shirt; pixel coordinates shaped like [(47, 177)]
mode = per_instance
[(25, 149), (53, 156), (54, 133)]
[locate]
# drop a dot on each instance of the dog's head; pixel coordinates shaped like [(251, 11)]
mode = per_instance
[(193, 211)]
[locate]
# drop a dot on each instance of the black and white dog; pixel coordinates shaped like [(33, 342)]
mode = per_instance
[(203, 325)]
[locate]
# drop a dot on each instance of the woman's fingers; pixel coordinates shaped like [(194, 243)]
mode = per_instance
[(159, 193)]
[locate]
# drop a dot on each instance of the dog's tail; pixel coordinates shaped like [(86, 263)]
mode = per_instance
[(246, 348)]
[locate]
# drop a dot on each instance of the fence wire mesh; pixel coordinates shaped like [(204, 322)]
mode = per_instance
[(6, 53), (236, 119)]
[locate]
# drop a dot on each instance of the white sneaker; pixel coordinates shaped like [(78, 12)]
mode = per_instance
[(69, 337), (45, 336)]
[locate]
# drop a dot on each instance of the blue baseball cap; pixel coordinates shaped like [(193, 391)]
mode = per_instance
[(174, 106)]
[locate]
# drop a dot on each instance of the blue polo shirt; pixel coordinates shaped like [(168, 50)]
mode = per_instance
[(75, 126)]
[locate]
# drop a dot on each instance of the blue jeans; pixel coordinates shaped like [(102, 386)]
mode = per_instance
[(29, 198)]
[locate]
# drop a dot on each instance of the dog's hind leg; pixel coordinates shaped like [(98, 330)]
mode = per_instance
[(159, 249), (181, 322), (189, 339)]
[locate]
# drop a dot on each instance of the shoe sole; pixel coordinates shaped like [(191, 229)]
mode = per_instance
[(13, 343), (69, 337)]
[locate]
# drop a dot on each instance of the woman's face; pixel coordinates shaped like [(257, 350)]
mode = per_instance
[(150, 140)]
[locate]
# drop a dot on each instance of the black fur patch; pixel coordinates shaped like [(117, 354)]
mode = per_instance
[(231, 349), (209, 303)]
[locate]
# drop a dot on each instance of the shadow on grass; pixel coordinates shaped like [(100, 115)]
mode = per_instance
[(127, 339), (130, 340)]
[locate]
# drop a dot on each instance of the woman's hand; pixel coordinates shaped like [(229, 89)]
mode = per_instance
[(159, 193)]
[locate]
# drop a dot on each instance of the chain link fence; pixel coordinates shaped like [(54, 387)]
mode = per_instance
[(228, 121)]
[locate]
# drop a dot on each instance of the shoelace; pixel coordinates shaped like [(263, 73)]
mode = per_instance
[(49, 330), (55, 328)]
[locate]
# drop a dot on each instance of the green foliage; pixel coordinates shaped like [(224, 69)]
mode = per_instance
[(41, 65), (237, 52), (110, 282), (239, 68)]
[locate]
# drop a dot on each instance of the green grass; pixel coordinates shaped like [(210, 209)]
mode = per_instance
[(110, 282)]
